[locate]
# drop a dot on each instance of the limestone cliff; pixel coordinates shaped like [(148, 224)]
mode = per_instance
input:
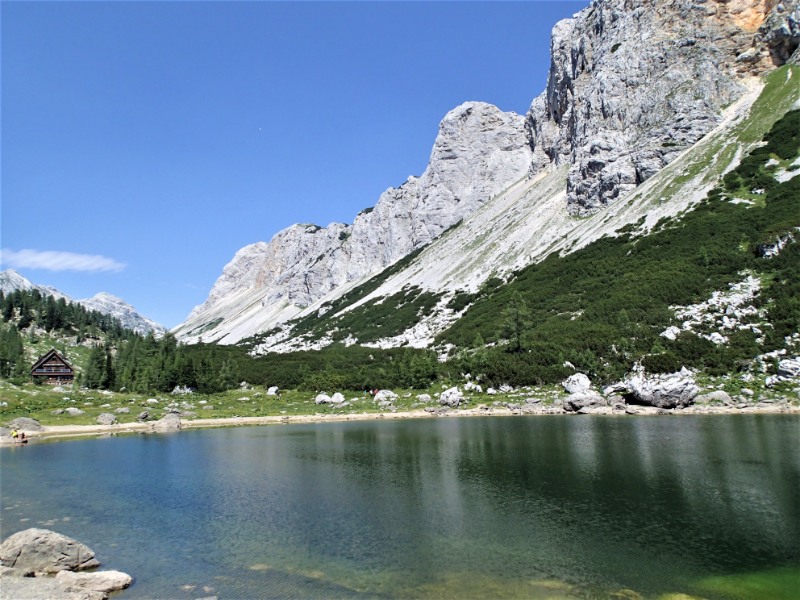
[(635, 82), (479, 151), (632, 85)]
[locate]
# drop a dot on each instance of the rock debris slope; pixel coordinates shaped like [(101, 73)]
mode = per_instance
[(633, 86)]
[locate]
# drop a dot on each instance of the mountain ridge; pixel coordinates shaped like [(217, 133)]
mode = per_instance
[(101, 302), (693, 61)]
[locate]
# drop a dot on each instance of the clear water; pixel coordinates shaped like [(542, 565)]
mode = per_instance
[(522, 507)]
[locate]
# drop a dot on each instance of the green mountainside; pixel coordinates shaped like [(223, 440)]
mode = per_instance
[(714, 286)]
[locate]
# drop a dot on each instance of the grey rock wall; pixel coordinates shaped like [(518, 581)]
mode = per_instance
[(634, 82)]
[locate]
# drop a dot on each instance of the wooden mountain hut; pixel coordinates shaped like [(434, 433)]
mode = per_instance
[(52, 368)]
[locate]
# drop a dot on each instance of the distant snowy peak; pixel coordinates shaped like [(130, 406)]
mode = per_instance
[(125, 313), (11, 281)]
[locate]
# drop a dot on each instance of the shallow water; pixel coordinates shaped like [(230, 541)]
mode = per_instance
[(527, 507)]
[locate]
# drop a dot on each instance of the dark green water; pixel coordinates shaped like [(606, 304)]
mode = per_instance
[(522, 507)]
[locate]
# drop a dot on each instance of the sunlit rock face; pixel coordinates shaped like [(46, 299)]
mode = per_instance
[(634, 82), (479, 151)]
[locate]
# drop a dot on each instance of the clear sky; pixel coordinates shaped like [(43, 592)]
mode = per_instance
[(144, 143)]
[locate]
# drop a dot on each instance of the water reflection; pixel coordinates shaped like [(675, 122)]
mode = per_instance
[(526, 507)]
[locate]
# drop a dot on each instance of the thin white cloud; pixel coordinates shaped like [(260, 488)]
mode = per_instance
[(53, 260)]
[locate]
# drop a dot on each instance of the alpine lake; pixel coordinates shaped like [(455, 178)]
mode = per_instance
[(671, 508)]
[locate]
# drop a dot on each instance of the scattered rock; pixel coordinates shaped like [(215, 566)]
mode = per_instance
[(715, 396), (124, 410), (273, 391), (106, 419), (74, 412), (337, 398), (473, 387), (385, 395), (323, 399), (143, 416), (424, 397), (451, 397), (789, 368)]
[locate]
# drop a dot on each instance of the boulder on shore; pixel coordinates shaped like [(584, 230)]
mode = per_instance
[(169, 422), (25, 424), (43, 551), (30, 557), (106, 419), (580, 400), (451, 397), (385, 395), (323, 399), (671, 390), (577, 384)]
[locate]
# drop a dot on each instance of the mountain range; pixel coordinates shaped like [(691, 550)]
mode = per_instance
[(647, 106), (102, 302)]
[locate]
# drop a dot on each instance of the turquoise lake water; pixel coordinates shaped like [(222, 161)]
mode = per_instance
[(517, 507)]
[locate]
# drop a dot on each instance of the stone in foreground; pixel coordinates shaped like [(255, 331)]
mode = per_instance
[(43, 551)]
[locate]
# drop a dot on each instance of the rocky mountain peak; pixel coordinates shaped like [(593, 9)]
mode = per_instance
[(102, 302), (633, 83), (479, 151)]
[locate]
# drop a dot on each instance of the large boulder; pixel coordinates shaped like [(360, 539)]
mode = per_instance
[(669, 390), (99, 581), (575, 402), (577, 384), (106, 419), (789, 368), (169, 422), (451, 397), (387, 395), (323, 399), (25, 424), (43, 551)]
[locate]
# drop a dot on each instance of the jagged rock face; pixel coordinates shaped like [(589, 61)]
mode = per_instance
[(103, 302), (122, 311), (478, 152), (634, 82)]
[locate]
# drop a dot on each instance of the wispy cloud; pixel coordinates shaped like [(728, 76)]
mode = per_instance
[(53, 260)]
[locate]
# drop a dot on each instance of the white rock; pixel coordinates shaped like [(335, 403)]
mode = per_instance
[(385, 395), (577, 383), (451, 397), (323, 399)]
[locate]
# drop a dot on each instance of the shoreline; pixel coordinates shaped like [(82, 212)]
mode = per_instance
[(71, 431)]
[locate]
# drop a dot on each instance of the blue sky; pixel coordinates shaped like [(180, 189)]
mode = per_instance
[(144, 143)]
